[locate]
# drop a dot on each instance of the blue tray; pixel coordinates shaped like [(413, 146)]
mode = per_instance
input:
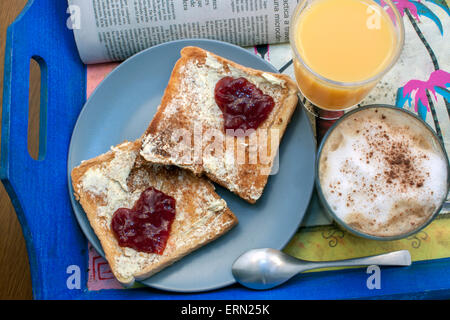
[(38, 188)]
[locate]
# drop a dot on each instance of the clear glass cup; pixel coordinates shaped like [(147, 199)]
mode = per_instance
[(328, 97), (434, 140)]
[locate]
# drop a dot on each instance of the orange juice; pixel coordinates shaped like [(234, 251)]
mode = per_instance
[(342, 46)]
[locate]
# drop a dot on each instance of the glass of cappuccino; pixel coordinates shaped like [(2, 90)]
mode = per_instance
[(382, 173)]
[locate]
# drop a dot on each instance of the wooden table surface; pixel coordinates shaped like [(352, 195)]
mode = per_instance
[(15, 280)]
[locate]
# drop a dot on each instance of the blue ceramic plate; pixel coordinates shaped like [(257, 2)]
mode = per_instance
[(121, 109)]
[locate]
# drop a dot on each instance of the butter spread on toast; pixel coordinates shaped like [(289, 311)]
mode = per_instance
[(188, 104), (117, 178)]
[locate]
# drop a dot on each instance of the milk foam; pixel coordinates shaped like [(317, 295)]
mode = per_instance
[(382, 172)]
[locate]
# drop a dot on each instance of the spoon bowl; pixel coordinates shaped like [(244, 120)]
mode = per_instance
[(264, 268)]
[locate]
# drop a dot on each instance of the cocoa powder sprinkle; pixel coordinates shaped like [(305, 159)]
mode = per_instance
[(397, 156)]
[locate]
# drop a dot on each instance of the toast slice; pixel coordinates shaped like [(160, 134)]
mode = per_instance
[(188, 107), (117, 178)]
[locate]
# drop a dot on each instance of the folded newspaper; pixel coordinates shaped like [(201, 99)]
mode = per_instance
[(113, 30)]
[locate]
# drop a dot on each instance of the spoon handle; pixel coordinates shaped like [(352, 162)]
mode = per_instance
[(396, 258)]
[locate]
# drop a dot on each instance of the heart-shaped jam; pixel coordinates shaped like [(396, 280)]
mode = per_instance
[(145, 227), (243, 105)]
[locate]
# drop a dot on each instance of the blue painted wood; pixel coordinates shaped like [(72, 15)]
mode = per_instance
[(38, 189)]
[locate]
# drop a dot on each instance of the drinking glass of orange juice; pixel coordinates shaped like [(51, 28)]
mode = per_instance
[(342, 48)]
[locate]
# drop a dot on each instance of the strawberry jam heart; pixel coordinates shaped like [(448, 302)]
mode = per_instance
[(145, 227), (243, 105)]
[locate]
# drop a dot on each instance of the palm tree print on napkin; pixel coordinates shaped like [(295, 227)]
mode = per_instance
[(439, 80)]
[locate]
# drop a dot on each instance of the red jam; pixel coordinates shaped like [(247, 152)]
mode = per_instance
[(145, 227), (243, 105)]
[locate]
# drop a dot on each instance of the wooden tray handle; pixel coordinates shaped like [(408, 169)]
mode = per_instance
[(38, 188)]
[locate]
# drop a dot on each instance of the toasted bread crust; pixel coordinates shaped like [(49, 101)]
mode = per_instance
[(248, 182), (195, 225)]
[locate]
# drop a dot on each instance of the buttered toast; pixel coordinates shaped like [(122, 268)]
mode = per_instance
[(189, 131), (118, 178)]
